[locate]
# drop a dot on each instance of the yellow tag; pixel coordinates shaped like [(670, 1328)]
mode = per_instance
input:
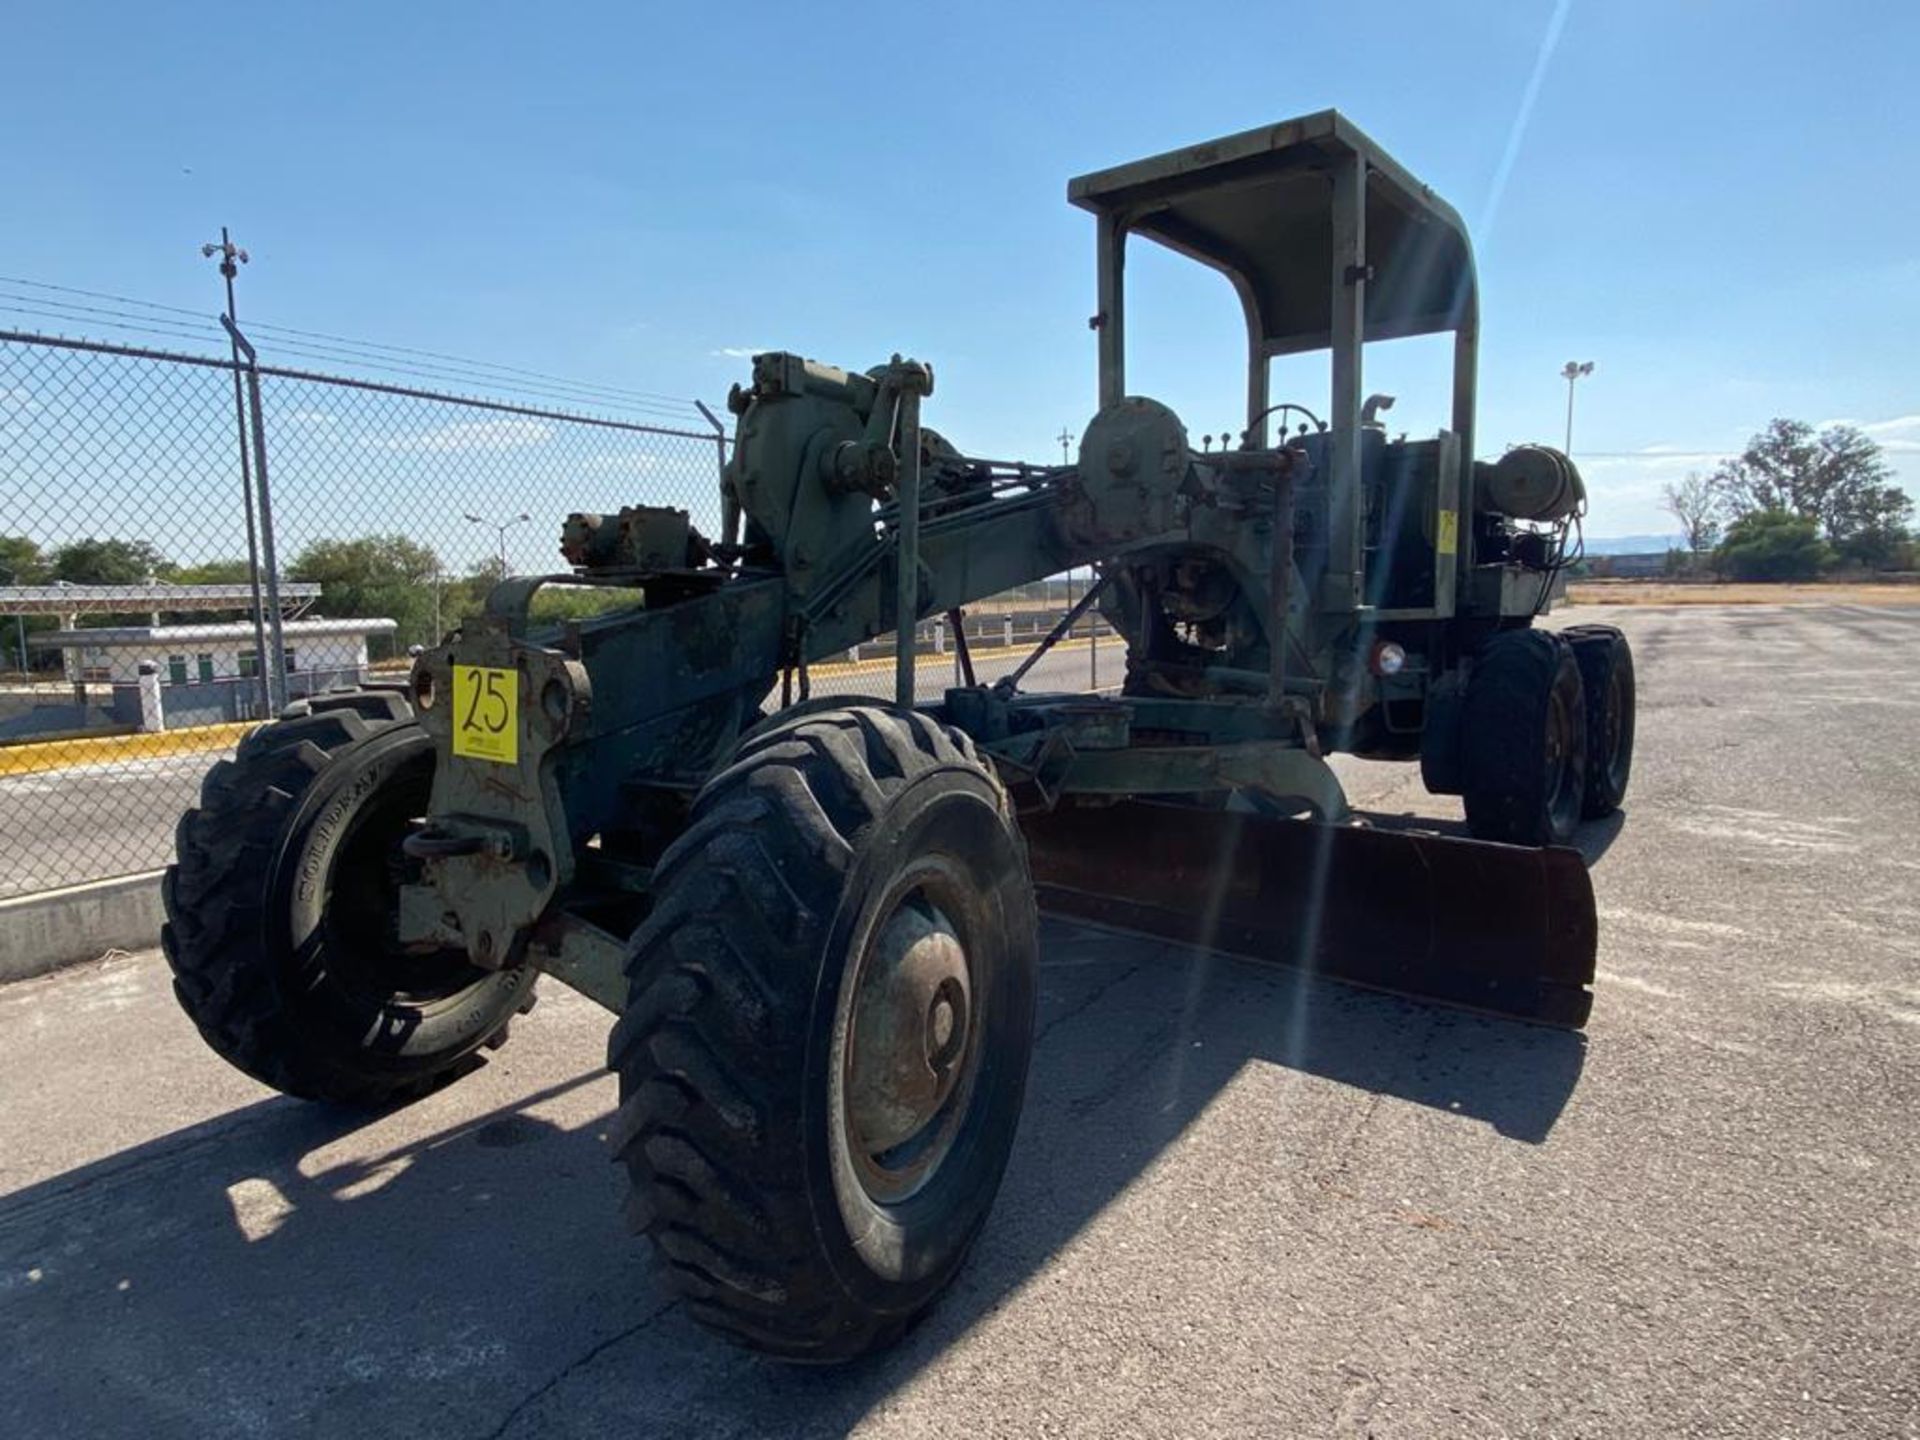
[(485, 703), (1449, 532)]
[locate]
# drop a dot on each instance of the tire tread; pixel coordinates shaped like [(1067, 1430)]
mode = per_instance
[(720, 990), (1502, 725), (213, 898)]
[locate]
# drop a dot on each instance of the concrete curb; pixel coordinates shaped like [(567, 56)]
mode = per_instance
[(56, 928)]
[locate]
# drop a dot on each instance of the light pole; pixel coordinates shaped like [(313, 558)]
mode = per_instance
[(500, 528), (1572, 371), (232, 257)]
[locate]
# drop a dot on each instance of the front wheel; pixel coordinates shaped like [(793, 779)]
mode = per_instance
[(282, 914), (825, 1044)]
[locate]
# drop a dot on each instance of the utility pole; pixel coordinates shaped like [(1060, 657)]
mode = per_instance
[(232, 257), (1065, 440), (1573, 371)]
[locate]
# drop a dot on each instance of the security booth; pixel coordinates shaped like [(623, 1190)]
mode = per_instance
[(208, 674)]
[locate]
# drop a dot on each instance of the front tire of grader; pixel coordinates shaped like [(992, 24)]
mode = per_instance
[(825, 1044), (282, 907), (1523, 740)]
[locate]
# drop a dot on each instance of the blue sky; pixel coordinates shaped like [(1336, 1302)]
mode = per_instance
[(1717, 203)]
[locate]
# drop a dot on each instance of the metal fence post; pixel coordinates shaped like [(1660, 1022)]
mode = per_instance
[(906, 592), (274, 662), (1093, 641), (253, 536), (231, 258), (730, 517), (277, 687)]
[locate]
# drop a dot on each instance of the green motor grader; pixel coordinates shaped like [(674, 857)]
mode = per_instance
[(814, 916)]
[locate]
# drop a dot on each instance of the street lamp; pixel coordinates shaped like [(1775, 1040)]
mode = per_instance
[(500, 528), (1573, 371)]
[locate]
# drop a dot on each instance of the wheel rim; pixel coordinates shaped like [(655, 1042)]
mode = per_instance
[(912, 1044), (365, 959), (1563, 778)]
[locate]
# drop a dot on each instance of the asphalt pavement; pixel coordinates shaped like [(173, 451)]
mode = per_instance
[(92, 822), (1242, 1202)]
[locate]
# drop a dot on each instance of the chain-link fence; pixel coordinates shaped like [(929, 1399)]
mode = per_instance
[(136, 651), (188, 542)]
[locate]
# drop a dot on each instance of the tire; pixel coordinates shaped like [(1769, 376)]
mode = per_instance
[(783, 1223), (1523, 740), (1606, 675), (281, 911)]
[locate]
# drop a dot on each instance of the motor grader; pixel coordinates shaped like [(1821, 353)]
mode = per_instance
[(815, 916)]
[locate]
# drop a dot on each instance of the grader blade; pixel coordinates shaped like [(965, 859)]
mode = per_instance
[(1497, 928)]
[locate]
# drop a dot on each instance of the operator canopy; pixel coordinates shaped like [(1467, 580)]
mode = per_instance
[(1259, 207)]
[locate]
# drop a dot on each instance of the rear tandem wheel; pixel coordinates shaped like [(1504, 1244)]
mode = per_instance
[(1606, 676), (1523, 740)]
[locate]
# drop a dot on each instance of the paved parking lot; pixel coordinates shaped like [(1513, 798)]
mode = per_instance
[(1242, 1202)]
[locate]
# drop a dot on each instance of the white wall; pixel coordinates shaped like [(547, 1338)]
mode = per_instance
[(309, 652)]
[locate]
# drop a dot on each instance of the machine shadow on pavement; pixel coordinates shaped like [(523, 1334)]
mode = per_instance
[(478, 1280)]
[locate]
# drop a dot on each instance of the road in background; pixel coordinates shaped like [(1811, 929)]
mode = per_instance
[(1242, 1203), (89, 822)]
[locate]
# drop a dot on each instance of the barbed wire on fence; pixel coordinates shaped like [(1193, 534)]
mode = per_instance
[(47, 301)]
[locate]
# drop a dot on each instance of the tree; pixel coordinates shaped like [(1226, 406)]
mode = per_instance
[(1834, 478), (1773, 545), (21, 562), (1694, 504), (107, 562), (374, 577), (212, 572)]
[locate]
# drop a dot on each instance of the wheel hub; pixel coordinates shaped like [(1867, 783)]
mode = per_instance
[(911, 1017)]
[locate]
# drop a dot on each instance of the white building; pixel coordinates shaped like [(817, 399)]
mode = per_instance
[(201, 654)]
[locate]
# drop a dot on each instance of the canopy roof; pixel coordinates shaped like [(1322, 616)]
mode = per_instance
[(1258, 206), (65, 599), (105, 637)]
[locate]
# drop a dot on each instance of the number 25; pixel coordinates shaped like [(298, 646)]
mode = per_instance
[(495, 718)]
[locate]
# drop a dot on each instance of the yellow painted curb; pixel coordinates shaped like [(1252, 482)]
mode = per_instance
[(32, 759), (982, 654)]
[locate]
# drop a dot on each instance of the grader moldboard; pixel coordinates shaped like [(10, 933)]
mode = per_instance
[(816, 923)]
